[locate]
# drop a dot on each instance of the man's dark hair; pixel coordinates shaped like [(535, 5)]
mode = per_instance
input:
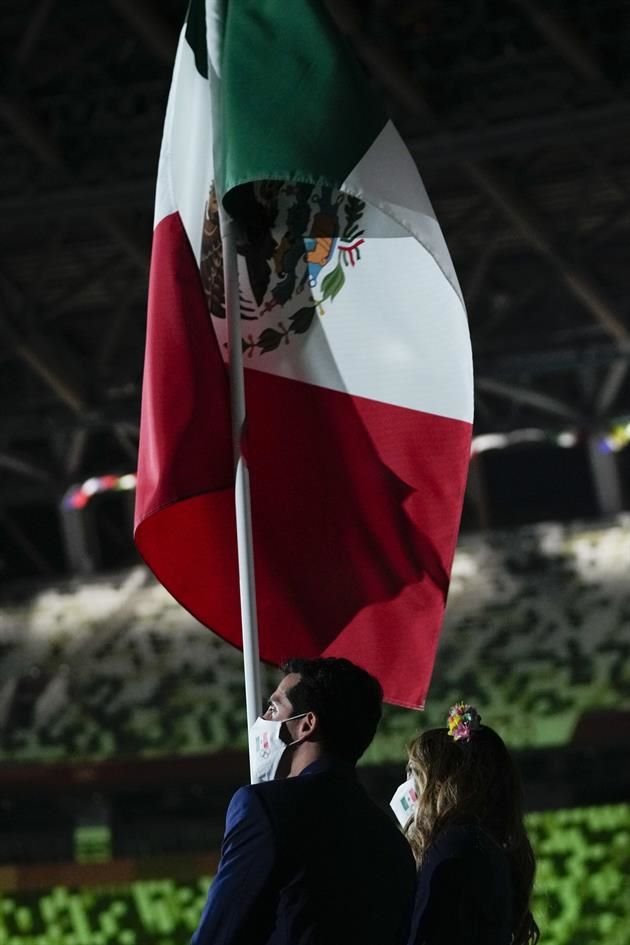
[(345, 698)]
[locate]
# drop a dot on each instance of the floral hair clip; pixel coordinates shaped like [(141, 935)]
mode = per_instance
[(463, 720)]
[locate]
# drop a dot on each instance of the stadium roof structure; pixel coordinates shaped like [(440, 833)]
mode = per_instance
[(517, 112)]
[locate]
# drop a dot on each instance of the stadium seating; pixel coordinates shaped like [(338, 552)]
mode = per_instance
[(581, 894), (537, 634)]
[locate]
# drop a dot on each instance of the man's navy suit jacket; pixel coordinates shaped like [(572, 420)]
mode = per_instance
[(309, 860)]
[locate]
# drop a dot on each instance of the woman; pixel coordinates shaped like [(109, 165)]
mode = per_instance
[(461, 809)]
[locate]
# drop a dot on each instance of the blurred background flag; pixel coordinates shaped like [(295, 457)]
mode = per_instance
[(358, 370)]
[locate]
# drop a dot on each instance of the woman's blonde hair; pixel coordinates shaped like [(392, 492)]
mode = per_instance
[(474, 781)]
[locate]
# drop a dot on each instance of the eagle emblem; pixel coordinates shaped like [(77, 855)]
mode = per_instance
[(298, 243)]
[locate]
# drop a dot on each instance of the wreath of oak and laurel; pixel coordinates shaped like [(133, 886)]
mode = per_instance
[(290, 233)]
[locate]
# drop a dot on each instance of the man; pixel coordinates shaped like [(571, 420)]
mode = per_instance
[(308, 858)]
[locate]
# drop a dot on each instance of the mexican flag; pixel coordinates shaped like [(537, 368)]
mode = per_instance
[(357, 358)]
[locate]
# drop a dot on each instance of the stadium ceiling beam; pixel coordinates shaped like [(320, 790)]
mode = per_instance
[(574, 51), (144, 18), (35, 25), (162, 40), (400, 85), (122, 434), (24, 543), (611, 385), (75, 451), (113, 333), (18, 492), (535, 234), (556, 360), (43, 356), (29, 133), (24, 467), (531, 398), (434, 150), (135, 250), (38, 355), (590, 123), (560, 36), (26, 129), (474, 284), (21, 423), (135, 194), (380, 63)]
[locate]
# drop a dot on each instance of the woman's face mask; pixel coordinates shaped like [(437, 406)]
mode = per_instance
[(266, 747), (404, 802)]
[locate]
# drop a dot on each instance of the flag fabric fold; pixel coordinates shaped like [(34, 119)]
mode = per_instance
[(358, 373)]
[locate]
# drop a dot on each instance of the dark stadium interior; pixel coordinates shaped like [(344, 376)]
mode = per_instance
[(518, 115)]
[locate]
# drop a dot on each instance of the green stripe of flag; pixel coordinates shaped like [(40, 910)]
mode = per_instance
[(296, 104), (292, 102), (195, 34)]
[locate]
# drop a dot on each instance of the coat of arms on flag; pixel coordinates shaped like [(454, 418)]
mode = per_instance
[(304, 239)]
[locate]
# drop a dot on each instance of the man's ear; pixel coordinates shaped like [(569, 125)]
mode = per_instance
[(308, 726)]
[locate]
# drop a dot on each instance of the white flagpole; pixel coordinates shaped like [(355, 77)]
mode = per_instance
[(247, 583)]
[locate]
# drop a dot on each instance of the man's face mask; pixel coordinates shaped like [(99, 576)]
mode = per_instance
[(266, 747), (404, 802)]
